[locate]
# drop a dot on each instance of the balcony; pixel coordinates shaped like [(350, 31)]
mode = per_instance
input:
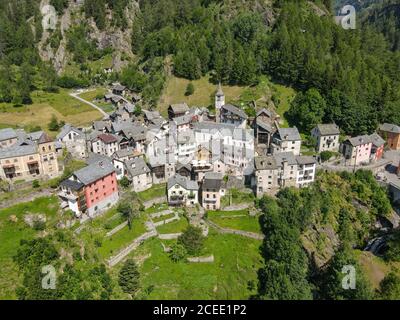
[(67, 195)]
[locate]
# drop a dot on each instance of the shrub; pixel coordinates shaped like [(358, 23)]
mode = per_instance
[(192, 239), (177, 253), (326, 155)]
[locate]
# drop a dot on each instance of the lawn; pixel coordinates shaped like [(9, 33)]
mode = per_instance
[(236, 197), (118, 241), (72, 69), (12, 232), (174, 227), (165, 217), (238, 220), (156, 191), (44, 106), (237, 260), (204, 93), (93, 94)]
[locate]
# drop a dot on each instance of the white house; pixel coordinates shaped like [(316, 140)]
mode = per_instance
[(182, 191), (286, 140), (327, 136), (105, 144)]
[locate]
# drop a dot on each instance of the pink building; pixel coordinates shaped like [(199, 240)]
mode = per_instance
[(357, 150), (91, 190)]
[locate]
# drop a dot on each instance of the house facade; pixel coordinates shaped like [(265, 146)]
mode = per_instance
[(182, 191), (391, 134), (105, 144), (286, 140), (357, 150), (32, 157), (91, 190), (327, 137), (211, 191)]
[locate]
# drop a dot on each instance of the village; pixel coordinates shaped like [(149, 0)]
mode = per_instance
[(198, 155)]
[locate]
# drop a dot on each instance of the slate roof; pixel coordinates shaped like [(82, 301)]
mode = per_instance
[(8, 133), (224, 128), (183, 120), (119, 87), (235, 110), (303, 160), (185, 182), (18, 151), (376, 140), (328, 129), (289, 134), (388, 127), (136, 167), (94, 171), (212, 180), (67, 128), (269, 113), (150, 115), (179, 107), (265, 163), (289, 157), (122, 153), (72, 184), (264, 125), (360, 140)]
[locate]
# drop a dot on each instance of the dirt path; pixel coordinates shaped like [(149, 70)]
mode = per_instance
[(76, 96)]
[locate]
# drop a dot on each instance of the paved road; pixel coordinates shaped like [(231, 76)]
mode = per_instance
[(76, 96)]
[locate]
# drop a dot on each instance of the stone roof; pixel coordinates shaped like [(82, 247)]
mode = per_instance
[(179, 107), (136, 167), (185, 119), (94, 171), (303, 160), (212, 180), (269, 113), (328, 129), (288, 157), (151, 115), (119, 87), (66, 129), (265, 163), (224, 128), (360, 140), (235, 110), (388, 127), (184, 182), (8, 133), (122, 153), (376, 140), (264, 125), (72, 184), (289, 134), (18, 151)]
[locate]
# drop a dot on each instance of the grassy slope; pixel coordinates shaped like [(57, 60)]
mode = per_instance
[(237, 260), (239, 220), (203, 96), (44, 106), (12, 232), (155, 191)]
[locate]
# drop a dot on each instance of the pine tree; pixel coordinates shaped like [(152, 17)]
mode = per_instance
[(129, 277)]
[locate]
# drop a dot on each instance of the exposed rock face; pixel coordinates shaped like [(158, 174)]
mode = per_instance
[(113, 37), (320, 244)]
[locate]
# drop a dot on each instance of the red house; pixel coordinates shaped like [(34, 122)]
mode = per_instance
[(378, 145), (91, 190)]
